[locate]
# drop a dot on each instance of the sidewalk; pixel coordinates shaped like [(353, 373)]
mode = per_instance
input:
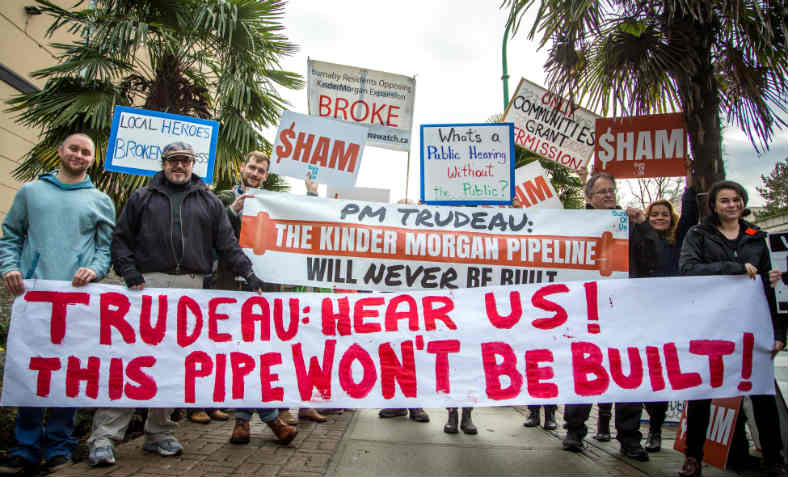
[(360, 443)]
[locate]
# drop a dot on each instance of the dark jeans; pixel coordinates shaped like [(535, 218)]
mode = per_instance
[(627, 420), (656, 414), (546, 407), (766, 418), (35, 439)]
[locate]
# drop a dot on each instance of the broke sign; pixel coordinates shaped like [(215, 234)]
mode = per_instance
[(467, 164), (578, 342), (329, 150), (299, 240), (533, 188), (641, 146)]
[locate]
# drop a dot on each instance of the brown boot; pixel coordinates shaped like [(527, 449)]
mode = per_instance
[(200, 417), (218, 415), (310, 414), (287, 418), (284, 433), (240, 432)]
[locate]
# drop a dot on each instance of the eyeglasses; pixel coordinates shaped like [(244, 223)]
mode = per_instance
[(185, 160), (611, 191)]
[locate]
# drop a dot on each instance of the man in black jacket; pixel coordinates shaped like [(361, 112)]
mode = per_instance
[(165, 238), (600, 192)]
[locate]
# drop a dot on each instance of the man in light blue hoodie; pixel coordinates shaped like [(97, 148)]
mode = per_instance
[(59, 227)]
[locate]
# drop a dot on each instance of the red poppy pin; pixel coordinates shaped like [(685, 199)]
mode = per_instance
[(750, 231)]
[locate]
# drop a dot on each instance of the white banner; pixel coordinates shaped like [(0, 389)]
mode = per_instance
[(657, 339), (468, 164), (381, 101), (551, 126), (533, 188), (311, 241), (329, 150)]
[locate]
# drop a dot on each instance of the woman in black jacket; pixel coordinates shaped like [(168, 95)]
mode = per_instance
[(671, 230), (724, 244)]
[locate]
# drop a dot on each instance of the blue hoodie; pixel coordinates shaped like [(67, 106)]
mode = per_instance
[(53, 229)]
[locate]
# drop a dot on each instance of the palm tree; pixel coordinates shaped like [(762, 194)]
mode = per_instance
[(215, 59), (705, 58)]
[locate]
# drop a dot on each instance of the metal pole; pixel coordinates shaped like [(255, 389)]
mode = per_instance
[(505, 76)]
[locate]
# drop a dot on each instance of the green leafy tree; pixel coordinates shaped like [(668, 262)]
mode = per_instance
[(708, 59), (775, 190), (216, 59)]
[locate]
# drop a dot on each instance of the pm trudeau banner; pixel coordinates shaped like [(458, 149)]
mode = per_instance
[(382, 101), (578, 342), (311, 241)]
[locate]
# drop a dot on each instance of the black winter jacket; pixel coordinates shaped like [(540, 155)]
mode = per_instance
[(145, 240), (706, 252)]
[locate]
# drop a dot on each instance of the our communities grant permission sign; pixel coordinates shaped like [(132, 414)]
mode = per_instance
[(382, 101)]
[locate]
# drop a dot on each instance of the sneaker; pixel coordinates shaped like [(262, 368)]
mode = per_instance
[(417, 414), (635, 452), (219, 415), (166, 447), (200, 417), (58, 462), (17, 465), (101, 456)]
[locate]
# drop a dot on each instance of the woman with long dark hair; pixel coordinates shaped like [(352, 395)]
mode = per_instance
[(725, 244)]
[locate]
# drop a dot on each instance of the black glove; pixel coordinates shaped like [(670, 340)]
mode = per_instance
[(253, 283), (133, 277)]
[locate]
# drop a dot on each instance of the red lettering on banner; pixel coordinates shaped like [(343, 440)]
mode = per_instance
[(44, 366), (75, 374), (392, 115), (635, 377), (411, 313), (112, 314), (441, 350), (506, 321), (242, 365), (318, 377), (153, 335), (655, 368), (493, 370), (249, 318), (748, 341), (214, 317), (59, 301), (145, 388), (115, 387), (440, 313), (360, 312), (715, 350), (391, 369), (268, 393), (187, 304), (360, 111), (678, 380), (370, 375), (535, 374), (279, 321), (587, 359), (197, 365), (218, 382), (539, 301), (333, 322)]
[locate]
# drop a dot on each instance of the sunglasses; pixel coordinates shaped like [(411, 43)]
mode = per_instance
[(185, 160)]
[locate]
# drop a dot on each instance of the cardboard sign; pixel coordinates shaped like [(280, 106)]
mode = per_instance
[(467, 164), (138, 137), (719, 434), (367, 246), (778, 247), (329, 150), (533, 188), (367, 194), (641, 146), (381, 101), (578, 342), (551, 126)]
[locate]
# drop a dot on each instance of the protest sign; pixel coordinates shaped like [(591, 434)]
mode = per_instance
[(778, 247), (329, 150), (579, 342), (298, 240), (551, 126), (719, 434), (467, 164), (367, 194), (533, 188), (641, 146), (381, 101), (138, 137)]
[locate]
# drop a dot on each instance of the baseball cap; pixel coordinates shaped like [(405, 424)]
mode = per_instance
[(177, 149)]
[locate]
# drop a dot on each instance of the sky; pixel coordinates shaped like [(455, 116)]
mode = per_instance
[(454, 51)]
